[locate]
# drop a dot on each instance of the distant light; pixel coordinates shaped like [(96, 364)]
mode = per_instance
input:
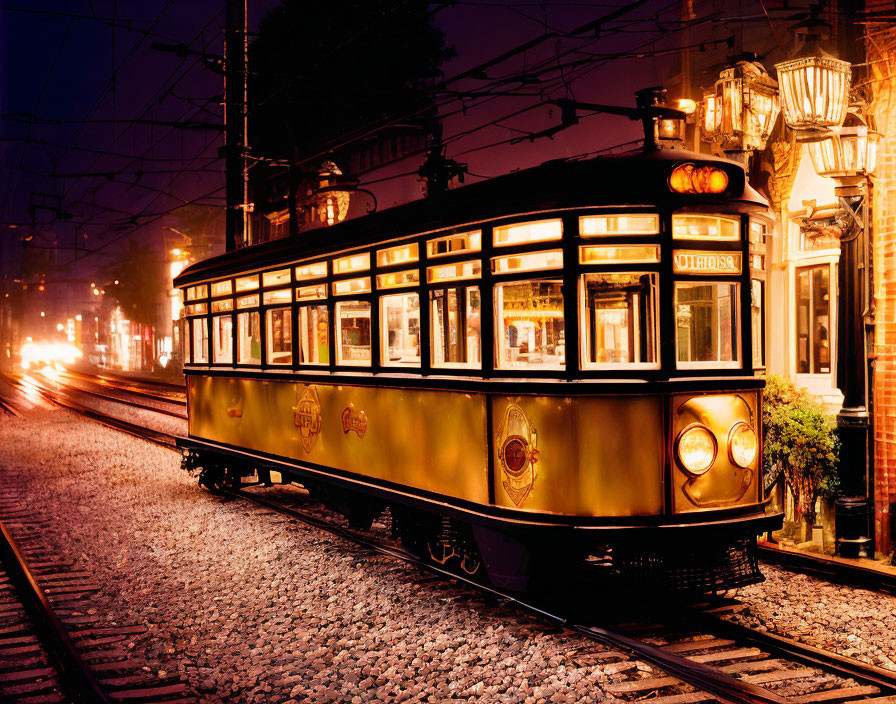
[(116, 282), (102, 290), (686, 105), (95, 319), (60, 327), (92, 285), (40, 288), (78, 317), (43, 314), (96, 292)]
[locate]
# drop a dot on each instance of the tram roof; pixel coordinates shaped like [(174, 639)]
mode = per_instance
[(629, 179)]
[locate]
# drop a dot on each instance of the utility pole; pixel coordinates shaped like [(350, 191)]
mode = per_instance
[(236, 146)]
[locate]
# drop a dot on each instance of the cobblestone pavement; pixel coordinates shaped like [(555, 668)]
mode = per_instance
[(252, 607), (858, 623)]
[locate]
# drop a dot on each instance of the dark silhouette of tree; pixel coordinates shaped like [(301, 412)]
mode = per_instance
[(320, 68)]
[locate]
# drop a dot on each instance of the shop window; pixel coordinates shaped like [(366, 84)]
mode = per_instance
[(279, 336), (706, 324), (200, 340), (813, 320), (455, 319), (249, 338), (400, 329), (529, 327), (353, 333), (619, 319), (223, 339), (314, 335)]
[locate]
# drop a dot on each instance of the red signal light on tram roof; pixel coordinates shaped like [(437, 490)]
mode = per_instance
[(690, 178)]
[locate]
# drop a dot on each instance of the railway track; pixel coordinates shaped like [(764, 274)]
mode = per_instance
[(699, 658)]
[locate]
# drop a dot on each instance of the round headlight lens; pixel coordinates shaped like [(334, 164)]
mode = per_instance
[(743, 445), (696, 449)]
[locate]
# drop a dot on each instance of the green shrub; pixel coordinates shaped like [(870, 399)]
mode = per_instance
[(800, 443)]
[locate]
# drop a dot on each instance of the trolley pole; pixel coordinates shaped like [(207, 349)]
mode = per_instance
[(236, 146)]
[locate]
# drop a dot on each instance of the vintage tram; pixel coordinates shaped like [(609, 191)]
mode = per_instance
[(562, 363)]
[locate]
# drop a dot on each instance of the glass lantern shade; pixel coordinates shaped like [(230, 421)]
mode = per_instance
[(709, 116), (846, 152), (332, 205), (747, 103), (814, 91)]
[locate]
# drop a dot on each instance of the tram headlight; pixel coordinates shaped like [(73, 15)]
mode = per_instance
[(743, 445), (690, 178), (696, 449)]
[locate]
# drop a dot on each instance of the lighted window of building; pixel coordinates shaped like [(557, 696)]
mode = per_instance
[(706, 324), (618, 319), (222, 337), (813, 319), (524, 232), (455, 315), (249, 338), (314, 335), (705, 227), (353, 333), (279, 335), (454, 244), (404, 254), (400, 330), (606, 225), (529, 326), (200, 340)]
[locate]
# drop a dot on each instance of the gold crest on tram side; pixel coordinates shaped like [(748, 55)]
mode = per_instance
[(354, 420), (517, 443), (307, 417)]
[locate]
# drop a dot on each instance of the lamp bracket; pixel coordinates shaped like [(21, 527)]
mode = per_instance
[(854, 209)]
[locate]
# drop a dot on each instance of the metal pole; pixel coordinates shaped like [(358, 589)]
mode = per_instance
[(235, 145)]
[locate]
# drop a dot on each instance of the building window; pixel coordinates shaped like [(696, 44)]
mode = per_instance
[(200, 340), (223, 339), (314, 335), (813, 319), (353, 333), (706, 324), (249, 348), (455, 318), (279, 336), (619, 319), (529, 329), (400, 329)]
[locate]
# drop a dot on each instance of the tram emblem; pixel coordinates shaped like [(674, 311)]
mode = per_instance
[(307, 417), (517, 443), (354, 420)]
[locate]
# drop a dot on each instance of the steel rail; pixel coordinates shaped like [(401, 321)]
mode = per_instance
[(74, 674), (133, 387), (134, 404)]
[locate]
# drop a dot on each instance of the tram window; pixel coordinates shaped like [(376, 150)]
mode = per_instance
[(247, 283), (455, 317), (707, 324), (400, 329), (314, 335), (757, 306), (613, 254), (603, 225), (349, 286), (404, 254), (223, 305), (283, 295), (619, 319), (397, 279), (529, 329), (249, 338), (353, 330), (705, 227), (222, 334), (275, 278), (311, 271), (186, 342), (222, 288), (454, 244), (533, 261), (200, 340), (524, 232), (197, 292), (453, 272), (311, 293), (279, 336), (813, 320), (353, 262)]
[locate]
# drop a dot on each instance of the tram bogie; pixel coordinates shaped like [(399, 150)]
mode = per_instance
[(550, 368)]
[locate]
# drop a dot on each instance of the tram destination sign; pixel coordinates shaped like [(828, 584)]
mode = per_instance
[(692, 261)]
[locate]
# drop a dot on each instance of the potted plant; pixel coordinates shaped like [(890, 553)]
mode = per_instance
[(801, 447)]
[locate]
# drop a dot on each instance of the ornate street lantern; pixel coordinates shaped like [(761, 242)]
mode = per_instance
[(815, 86), (745, 107), (329, 201), (848, 151), (709, 117)]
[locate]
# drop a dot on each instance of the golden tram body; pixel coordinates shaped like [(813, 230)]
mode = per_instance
[(557, 364)]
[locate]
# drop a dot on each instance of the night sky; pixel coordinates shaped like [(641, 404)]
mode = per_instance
[(86, 71)]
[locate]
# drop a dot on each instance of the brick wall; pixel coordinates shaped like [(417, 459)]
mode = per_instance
[(880, 42)]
